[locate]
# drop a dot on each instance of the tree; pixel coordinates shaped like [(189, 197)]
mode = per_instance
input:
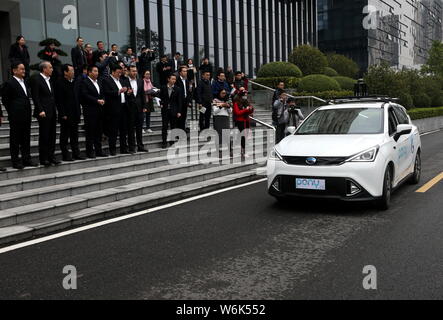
[(434, 65), (343, 65), (309, 59)]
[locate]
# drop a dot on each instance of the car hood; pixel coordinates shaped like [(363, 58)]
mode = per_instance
[(327, 145)]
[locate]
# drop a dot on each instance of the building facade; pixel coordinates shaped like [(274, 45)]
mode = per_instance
[(398, 32), (243, 34)]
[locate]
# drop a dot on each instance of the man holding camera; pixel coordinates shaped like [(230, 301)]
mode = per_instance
[(284, 113)]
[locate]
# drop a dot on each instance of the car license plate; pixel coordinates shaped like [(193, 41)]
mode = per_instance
[(310, 184)]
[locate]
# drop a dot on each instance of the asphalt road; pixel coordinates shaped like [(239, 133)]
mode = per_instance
[(241, 244)]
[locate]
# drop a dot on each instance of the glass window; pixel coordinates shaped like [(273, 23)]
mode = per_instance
[(166, 23), (92, 21), (118, 22), (179, 26), (401, 115), (344, 121), (32, 25), (62, 24)]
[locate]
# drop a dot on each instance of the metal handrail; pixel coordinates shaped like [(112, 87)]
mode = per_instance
[(263, 123), (289, 95)]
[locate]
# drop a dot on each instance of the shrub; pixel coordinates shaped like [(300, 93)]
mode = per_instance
[(343, 65), (318, 83), (346, 83), (405, 99), (423, 113), (421, 100), (290, 82), (330, 72), (279, 69), (309, 59)]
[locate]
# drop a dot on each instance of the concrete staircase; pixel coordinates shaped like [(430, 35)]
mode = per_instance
[(39, 201)]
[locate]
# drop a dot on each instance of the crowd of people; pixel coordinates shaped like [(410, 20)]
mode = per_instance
[(115, 94)]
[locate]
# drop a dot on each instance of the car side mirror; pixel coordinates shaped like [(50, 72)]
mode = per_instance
[(402, 129), (291, 130)]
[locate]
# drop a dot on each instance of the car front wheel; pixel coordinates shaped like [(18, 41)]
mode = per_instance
[(415, 179), (384, 202)]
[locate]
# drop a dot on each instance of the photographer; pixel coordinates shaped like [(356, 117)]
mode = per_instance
[(222, 109), (242, 110), (295, 114), (280, 116)]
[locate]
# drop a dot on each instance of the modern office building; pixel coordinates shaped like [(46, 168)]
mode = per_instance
[(398, 32), (243, 34)]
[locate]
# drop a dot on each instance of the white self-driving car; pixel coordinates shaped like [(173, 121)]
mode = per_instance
[(353, 151)]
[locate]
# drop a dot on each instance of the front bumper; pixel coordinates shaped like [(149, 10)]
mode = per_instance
[(367, 176)]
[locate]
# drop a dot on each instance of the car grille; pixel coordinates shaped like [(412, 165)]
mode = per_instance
[(321, 161)]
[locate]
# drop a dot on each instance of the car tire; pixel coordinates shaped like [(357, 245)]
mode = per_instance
[(384, 202), (415, 179)]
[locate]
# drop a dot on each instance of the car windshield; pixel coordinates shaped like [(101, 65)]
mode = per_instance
[(343, 121)]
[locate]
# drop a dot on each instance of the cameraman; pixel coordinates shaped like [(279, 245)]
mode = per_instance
[(295, 114), (280, 116)]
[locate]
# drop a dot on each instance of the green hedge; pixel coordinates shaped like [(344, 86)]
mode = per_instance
[(290, 82), (346, 83), (318, 83), (422, 113), (330, 72), (279, 69), (421, 100)]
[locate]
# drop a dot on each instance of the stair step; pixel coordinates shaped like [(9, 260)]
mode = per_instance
[(36, 228), (35, 211)]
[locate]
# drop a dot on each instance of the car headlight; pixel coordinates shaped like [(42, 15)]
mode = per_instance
[(366, 156), (274, 155)]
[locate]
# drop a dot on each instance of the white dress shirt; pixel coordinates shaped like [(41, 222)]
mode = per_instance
[(134, 86), (22, 83), (119, 85), (184, 86), (95, 83), (47, 81)]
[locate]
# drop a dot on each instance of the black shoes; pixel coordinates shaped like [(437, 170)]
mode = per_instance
[(164, 145), (30, 164), (18, 166), (102, 155), (55, 162), (78, 157), (2, 169), (142, 149), (45, 163)]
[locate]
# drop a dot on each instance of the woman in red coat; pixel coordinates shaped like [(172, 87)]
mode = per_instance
[(242, 110)]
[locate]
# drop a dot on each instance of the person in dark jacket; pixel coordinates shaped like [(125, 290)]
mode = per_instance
[(96, 54), (136, 106), (144, 61), (115, 88), (278, 91), (15, 97), (69, 113), (92, 101), (45, 111), (206, 66), (103, 66), (171, 105), (78, 56), (51, 54), (164, 70), (186, 90), (19, 54), (220, 84), (204, 98)]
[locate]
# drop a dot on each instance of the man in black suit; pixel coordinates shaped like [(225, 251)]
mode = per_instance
[(184, 85), (78, 56), (136, 109), (115, 88), (171, 105), (204, 99), (92, 100), (144, 61), (15, 97), (96, 54), (42, 88), (164, 69), (69, 113)]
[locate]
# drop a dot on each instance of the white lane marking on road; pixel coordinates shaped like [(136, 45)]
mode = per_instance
[(430, 132), (125, 217)]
